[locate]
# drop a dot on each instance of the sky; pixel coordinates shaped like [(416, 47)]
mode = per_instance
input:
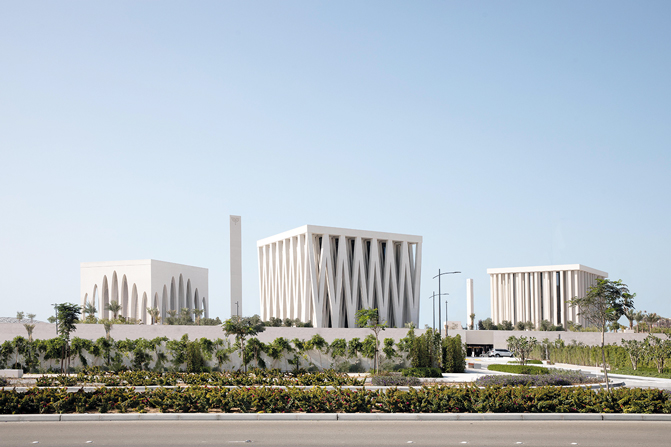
[(507, 134)]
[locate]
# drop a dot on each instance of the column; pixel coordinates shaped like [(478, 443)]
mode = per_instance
[(527, 298), (562, 299)]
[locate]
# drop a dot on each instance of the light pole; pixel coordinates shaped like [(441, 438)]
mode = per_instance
[(433, 297), (438, 276)]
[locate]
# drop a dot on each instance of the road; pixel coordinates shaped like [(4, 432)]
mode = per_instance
[(360, 433)]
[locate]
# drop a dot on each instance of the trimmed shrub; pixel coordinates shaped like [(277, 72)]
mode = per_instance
[(558, 377), (519, 369), (394, 380), (434, 399), (528, 362), (422, 372)]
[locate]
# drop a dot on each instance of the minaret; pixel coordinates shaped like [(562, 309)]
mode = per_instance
[(469, 302), (236, 265)]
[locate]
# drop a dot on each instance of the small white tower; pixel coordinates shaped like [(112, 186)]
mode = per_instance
[(236, 265), (469, 302)]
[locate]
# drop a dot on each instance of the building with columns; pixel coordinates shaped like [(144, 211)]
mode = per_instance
[(540, 293), (325, 275)]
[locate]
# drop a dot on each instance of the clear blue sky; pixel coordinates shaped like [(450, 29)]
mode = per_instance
[(505, 133)]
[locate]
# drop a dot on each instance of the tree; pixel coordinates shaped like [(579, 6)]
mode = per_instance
[(521, 347), (630, 314), (243, 328), (370, 319), (636, 350), (198, 313), (658, 351), (107, 324), (650, 319), (30, 327), (89, 312), (505, 326), (114, 307), (472, 325), (20, 316), (638, 316), (529, 325), (68, 314), (154, 313), (519, 325), (320, 345), (603, 303)]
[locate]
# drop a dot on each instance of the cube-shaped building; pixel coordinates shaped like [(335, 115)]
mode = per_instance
[(325, 275), (138, 285)]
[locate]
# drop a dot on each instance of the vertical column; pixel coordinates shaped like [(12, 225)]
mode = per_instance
[(569, 296), (527, 297), (492, 295), (469, 302), (562, 299), (500, 304), (236, 264)]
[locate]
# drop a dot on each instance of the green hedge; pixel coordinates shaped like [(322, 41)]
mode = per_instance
[(528, 362), (253, 377), (276, 400), (519, 369)]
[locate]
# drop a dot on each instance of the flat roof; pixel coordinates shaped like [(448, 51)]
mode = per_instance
[(549, 268), (132, 262), (348, 232)]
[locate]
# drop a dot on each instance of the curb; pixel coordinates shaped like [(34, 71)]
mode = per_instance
[(334, 417)]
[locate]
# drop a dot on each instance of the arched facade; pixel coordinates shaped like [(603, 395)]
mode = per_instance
[(162, 285)]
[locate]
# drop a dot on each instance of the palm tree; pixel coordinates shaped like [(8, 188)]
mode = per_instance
[(651, 319), (638, 316), (154, 314), (198, 313), (114, 307), (89, 309), (630, 314)]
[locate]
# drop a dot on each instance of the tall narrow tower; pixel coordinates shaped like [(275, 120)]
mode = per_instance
[(469, 302), (236, 265)]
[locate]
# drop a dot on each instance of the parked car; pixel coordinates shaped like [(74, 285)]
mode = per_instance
[(499, 353)]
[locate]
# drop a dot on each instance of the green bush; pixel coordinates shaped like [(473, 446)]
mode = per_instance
[(528, 362), (454, 355), (422, 372), (519, 369), (434, 399)]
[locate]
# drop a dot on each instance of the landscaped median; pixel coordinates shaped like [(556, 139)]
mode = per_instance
[(246, 400)]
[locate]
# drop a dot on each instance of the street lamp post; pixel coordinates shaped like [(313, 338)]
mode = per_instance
[(438, 276), (433, 297)]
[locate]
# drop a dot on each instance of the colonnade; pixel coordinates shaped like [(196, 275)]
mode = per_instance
[(540, 293)]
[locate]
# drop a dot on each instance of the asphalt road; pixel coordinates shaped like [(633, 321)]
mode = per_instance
[(308, 433)]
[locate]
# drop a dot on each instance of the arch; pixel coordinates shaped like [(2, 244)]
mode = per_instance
[(104, 298), (125, 309), (155, 304), (164, 301), (189, 299), (133, 303), (204, 308), (144, 316), (173, 295), (180, 293), (85, 301), (196, 299), (115, 293), (94, 296)]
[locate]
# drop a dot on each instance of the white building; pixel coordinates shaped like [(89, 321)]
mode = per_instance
[(137, 285), (540, 293), (325, 275)]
